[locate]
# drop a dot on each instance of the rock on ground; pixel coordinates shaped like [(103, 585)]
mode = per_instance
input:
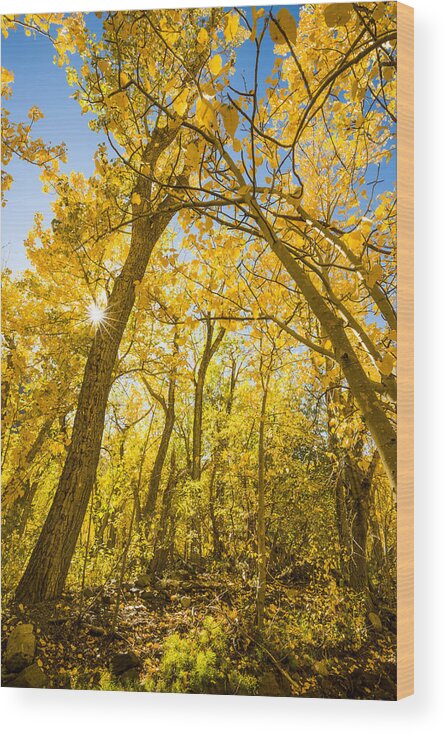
[(143, 581), (20, 648), (31, 677), (132, 675), (124, 661), (269, 686)]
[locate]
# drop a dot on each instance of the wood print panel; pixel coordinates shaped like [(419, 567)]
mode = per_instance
[(207, 350)]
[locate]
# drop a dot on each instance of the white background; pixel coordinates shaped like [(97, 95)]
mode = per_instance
[(80, 712)]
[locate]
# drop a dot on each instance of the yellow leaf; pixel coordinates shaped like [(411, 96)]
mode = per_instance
[(230, 119), (180, 103), (255, 14), (136, 198), (205, 114), (202, 37), (120, 100), (192, 155), (254, 23), (215, 64), (354, 238), (275, 33), (337, 14), (374, 275), (386, 365), (7, 76), (231, 26), (287, 23), (103, 65), (35, 114), (379, 11), (124, 79)]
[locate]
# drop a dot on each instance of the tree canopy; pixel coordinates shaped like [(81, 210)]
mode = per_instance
[(199, 363)]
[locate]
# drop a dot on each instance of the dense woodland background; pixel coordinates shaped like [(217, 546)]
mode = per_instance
[(198, 395)]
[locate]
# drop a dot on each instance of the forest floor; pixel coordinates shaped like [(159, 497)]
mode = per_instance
[(84, 641)]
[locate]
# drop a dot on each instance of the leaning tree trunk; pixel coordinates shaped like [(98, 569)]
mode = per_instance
[(11, 490), (157, 469), (47, 569), (211, 348), (373, 411), (370, 406)]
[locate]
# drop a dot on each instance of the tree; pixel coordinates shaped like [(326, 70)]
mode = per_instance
[(214, 219), (277, 211), (149, 214), (210, 349)]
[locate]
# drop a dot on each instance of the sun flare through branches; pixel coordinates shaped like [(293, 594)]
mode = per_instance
[(96, 315)]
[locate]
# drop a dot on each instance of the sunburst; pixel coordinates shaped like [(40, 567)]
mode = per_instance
[(96, 314)]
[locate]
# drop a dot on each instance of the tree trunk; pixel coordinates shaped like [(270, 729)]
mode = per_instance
[(358, 567), (163, 539), (11, 490), (26, 506), (47, 569), (358, 485), (18, 516), (370, 406), (261, 545), (217, 484), (342, 524), (215, 499), (157, 469), (372, 409), (7, 374), (211, 348)]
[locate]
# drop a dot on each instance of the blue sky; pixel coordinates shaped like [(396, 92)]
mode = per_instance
[(38, 81)]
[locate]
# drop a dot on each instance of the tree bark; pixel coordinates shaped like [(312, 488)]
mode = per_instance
[(47, 569), (11, 489), (211, 348), (358, 485), (372, 409), (370, 406), (213, 501), (6, 380), (157, 469), (217, 483), (261, 544), (163, 538), (342, 524)]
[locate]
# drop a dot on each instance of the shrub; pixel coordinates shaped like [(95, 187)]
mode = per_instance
[(200, 663)]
